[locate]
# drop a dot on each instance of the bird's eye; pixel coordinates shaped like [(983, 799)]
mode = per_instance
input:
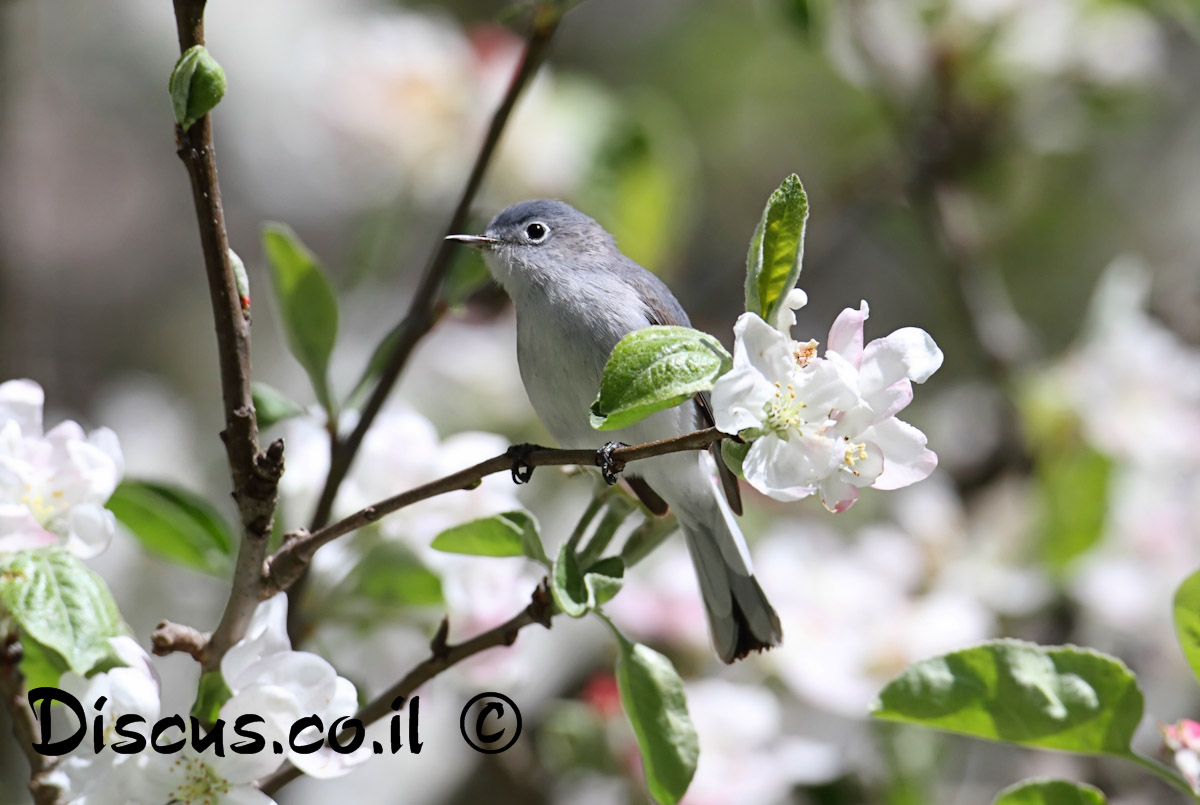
[(536, 232)]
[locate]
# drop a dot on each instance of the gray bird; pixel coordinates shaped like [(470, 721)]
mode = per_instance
[(576, 296)]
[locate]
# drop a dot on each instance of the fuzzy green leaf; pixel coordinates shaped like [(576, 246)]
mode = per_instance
[(777, 249), (62, 604), (656, 368)]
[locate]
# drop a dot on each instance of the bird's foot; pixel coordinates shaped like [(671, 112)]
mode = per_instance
[(610, 465), (521, 470)]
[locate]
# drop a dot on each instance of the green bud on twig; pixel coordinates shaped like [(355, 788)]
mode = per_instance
[(197, 85), (241, 280)]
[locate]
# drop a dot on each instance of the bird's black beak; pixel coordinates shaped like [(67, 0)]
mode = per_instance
[(478, 241)]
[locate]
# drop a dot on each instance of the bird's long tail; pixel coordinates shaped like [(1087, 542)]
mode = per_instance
[(740, 620)]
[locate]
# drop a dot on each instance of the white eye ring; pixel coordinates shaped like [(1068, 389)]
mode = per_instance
[(536, 232)]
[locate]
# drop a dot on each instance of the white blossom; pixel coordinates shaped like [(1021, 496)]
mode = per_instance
[(268, 678), (826, 423), (53, 485), (87, 778)]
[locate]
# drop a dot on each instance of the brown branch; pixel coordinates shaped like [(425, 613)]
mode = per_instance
[(168, 638), (288, 563), (24, 723), (425, 309), (442, 656), (255, 473)]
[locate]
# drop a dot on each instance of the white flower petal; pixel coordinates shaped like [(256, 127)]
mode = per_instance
[(266, 635), (738, 398), (906, 459), (762, 347), (90, 529), (790, 470), (846, 334), (21, 401), (907, 353), (245, 795)]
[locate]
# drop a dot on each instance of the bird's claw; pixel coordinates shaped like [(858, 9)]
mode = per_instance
[(610, 465), (521, 471)]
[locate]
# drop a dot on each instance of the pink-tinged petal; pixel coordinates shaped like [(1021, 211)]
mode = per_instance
[(907, 353), (21, 401), (846, 334), (906, 460), (1189, 734), (889, 401), (19, 530), (837, 495)]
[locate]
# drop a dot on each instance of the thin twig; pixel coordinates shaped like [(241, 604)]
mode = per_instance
[(255, 473), (289, 562), (168, 638), (24, 723), (442, 656), (424, 309)]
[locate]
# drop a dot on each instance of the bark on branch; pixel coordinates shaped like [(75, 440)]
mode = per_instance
[(255, 473), (287, 564)]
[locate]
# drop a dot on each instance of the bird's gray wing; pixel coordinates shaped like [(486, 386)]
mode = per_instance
[(663, 308)]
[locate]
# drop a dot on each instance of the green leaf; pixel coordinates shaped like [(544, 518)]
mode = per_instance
[(603, 580), (653, 697), (1073, 485), (391, 577), (566, 584), (41, 666), (273, 406), (1050, 792), (734, 453), (656, 368), (211, 695), (508, 534), (578, 593), (175, 524), (62, 604), (197, 85), (1066, 698), (1187, 619), (308, 308), (777, 249)]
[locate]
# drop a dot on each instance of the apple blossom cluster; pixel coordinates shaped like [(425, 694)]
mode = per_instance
[(1182, 740), (53, 486), (825, 424), (268, 681)]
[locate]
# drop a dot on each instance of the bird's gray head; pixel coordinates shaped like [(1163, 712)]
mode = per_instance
[(539, 242)]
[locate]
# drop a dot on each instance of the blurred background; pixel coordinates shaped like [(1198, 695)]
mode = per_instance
[(1021, 178)]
